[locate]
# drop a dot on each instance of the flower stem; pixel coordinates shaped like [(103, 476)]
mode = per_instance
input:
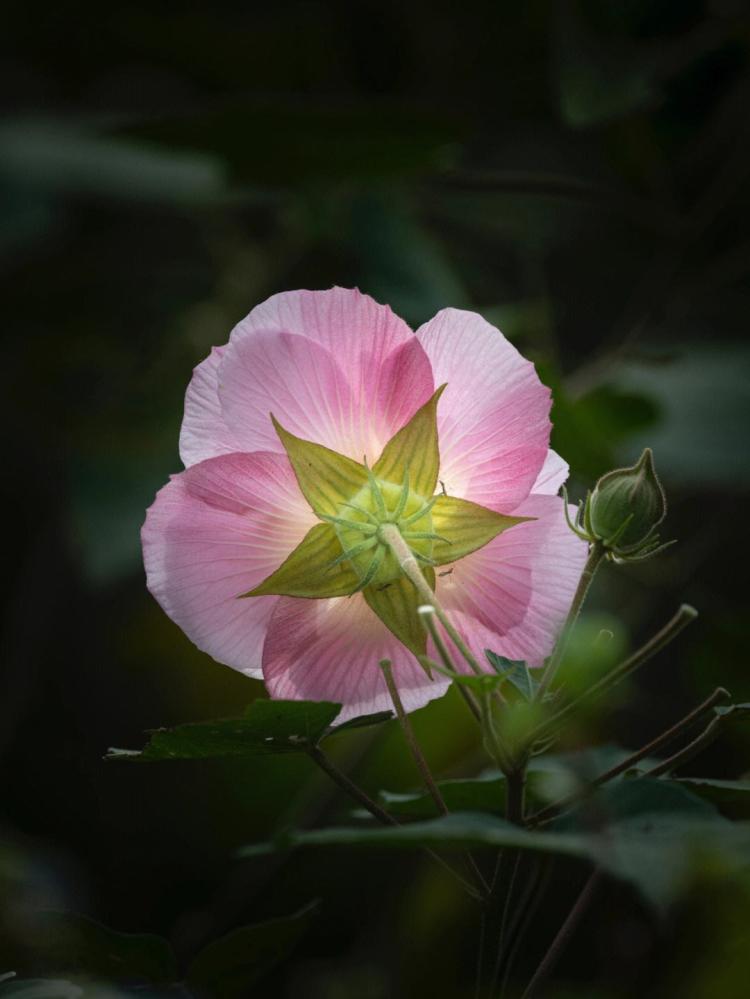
[(655, 644), (707, 736), (720, 694), (354, 791), (596, 554), (391, 535), (411, 739), (564, 934), (347, 785), (422, 765)]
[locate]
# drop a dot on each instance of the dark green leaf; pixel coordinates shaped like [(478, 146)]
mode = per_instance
[(362, 721), (515, 671), (267, 727), (230, 967), (653, 850), (720, 792)]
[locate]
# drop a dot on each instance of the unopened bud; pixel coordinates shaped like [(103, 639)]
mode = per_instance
[(626, 507)]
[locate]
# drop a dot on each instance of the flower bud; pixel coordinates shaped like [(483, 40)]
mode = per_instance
[(626, 507)]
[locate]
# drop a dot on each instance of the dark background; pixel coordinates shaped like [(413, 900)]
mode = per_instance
[(579, 174)]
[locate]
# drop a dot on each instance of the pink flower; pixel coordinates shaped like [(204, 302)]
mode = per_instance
[(339, 370)]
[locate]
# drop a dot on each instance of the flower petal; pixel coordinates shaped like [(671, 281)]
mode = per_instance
[(346, 373), (330, 649), (203, 433), (513, 594), (493, 419), (554, 474), (215, 531)]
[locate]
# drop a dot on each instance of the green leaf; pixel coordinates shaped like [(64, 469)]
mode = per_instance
[(67, 942), (327, 479), (654, 850), (230, 967), (267, 727), (718, 792), (414, 448), (362, 721), (469, 526), (308, 571), (515, 671), (396, 605)]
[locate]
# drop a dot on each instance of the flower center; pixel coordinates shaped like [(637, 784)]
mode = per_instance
[(359, 524)]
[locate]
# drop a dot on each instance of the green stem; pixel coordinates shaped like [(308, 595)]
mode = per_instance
[(427, 619), (720, 694), (596, 554), (707, 736), (354, 791), (422, 765), (391, 535), (564, 934), (411, 739), (662, 638)]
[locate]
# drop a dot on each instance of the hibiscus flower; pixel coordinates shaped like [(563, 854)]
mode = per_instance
[(322, 427)]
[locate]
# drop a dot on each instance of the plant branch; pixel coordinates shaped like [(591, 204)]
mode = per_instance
[(720, 694), (662, 638), (707, 736), (411, 739), (564, 934), (354, 791), (596, 554), (410, 568)]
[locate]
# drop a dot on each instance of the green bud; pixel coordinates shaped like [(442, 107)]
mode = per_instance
[(626, 507)]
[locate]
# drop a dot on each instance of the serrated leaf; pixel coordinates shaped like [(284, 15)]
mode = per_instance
[(515, 671), (414, 447), (308, 570), (267, 727), (467, 525), (396, 605), (327, 479), (230, 967)]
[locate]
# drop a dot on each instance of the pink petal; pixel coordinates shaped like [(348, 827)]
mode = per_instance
[(334, 367), (554, 474), (330, 650), (290, 376), (513, 595), (204, 434), (493, 418), (358, 331), (215, 531)]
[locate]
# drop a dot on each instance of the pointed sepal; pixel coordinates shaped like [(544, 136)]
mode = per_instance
[(414, 451), (314, 569), (327, 479), (468, 525)]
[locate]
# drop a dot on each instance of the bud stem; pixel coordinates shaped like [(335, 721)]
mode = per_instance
[(596, 554), (684, 616)]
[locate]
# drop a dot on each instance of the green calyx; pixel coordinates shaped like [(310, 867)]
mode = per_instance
[(624, 511), (359, 528), (359, 508)]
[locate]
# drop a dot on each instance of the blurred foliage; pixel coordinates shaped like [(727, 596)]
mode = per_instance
[(578, 173)]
